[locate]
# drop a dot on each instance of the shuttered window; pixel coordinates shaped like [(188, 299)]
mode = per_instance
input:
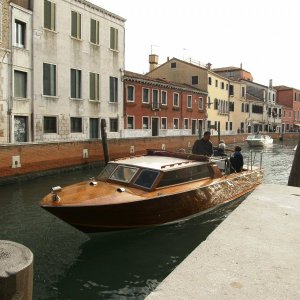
[(113, 38), (76, 25), (49, 80), (94, 38), (49, 15), (94, 86)]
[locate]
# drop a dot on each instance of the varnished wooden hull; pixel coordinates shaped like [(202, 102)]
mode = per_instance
[(162, 208)]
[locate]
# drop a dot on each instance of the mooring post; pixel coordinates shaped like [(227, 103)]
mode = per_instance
[(294, 179), (104, 141), (16, 271)]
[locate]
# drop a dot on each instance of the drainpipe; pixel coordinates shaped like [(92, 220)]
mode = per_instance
[(32, 75), (10, 78)]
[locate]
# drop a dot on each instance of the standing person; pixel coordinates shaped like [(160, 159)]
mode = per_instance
[(203, 146), (237, 160)]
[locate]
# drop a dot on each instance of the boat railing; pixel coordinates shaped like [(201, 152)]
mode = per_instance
[(252, 160)]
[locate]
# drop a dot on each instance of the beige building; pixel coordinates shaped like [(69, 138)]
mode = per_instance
[(177, 70), (219, 104)]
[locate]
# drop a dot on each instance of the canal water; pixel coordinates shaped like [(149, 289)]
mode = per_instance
[(69, 264)]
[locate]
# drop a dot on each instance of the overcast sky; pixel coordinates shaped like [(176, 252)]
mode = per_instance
[(263, 35)]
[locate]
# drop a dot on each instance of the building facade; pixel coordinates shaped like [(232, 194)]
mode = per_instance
[(159, 107), (62, 71), (79, 62), (290, 98)]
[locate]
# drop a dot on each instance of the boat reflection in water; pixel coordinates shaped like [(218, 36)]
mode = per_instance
[(157, 188)]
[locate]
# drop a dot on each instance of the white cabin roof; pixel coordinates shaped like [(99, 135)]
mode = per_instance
[(158, 162)]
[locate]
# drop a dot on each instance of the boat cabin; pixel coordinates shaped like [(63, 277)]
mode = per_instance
[(153, 172)]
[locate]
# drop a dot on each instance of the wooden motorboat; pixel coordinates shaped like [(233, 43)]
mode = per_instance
[(259, 140), (153, 189)]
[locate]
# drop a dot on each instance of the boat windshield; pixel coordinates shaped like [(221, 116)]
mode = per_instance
[(184, 175), (106, 172), (146, 178), (123, 173)]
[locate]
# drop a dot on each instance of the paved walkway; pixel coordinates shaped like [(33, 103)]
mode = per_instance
[(253, 254)]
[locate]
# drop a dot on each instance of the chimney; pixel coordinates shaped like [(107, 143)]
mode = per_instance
[(208, 66), (241, 66), (271, 84), (153, 62)]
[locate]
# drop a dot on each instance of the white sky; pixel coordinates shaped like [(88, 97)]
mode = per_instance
[(263, 35)]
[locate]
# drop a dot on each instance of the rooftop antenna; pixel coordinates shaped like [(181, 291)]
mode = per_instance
[(152, 47), (183, 49)]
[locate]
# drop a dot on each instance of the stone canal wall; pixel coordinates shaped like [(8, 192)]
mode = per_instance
[(21, 159)]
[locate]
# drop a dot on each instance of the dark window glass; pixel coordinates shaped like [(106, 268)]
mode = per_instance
[(50, 125)]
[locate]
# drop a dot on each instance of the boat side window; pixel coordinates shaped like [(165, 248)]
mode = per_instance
[(106, 172), (123, 173), (184, 175), (146, 178)]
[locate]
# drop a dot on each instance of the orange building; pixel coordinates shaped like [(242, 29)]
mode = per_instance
[(158, 107), (290, 98)]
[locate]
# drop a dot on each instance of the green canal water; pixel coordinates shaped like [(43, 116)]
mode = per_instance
[(120, 265)]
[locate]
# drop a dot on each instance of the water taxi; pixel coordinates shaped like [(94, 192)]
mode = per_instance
[(259, 140), (157, 188)]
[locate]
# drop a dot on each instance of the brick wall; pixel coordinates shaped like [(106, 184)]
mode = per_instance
[(42, 157)]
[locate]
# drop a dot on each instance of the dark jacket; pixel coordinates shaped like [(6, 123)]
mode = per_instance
[(237, 161), (203, 147)]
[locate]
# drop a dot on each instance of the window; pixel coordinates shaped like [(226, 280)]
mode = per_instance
[(231, 106), (173, 65), (164, 123), (76, 25), (130, 93), (113, 38), (20, 30), (113, 89), (242, 107), (176, 123), (243, 91), (216, 104), (76, 124), (194, 79), (226, 86), (75, 84), (113, 125), (175, 99), (186, 124), (222, 85), (130, 122), (20, 84), (49, 79), (189, 101), (164, 100), (50, 125), (209, 80), (49, 15), (200, 103), (94, 128), (94, 38), (216, 83), (145, 122), (155, 100), (231, 90), (94, 86), (146, 95)]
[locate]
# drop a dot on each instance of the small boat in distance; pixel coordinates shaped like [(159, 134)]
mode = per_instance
[(259, 140), (157, 188)]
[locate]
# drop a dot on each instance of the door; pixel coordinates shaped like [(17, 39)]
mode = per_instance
[(20, 129), (155, 122), (194, 126), (94, 128)]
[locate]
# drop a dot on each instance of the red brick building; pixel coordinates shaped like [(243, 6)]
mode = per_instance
[(290, 98), (157, 107)]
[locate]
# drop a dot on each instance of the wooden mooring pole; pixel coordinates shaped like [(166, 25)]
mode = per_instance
[(16, 271), (294, 179), (104, 141)]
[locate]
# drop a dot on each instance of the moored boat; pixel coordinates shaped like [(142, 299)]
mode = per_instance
[(153, 189), (259, 140)]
